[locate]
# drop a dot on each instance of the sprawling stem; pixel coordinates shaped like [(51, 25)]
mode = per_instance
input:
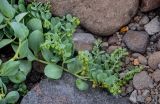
[(17, 52), (80, 77)]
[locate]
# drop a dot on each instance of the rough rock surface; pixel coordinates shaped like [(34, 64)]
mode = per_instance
[(83, 41), (156, 75), (101, 17), (64, 92), (154, 60), (148, 5), (136, 41), (142, 80), (153, 26)]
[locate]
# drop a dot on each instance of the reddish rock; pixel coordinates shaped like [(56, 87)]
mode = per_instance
[(101, 17), (148, 5)]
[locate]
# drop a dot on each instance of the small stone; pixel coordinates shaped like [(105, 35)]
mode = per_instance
[(142, 80), (129, 89), (133, 26), (142, 60), (127, 60), (104, 45), (144, 20), (140, 99), (153, 26), (113, 40), (156, 75), (148, 100), (158, 66), (154, 60), (158, 45), (145, 93), (136, 55), (136, 41), (136, 62), (133, 97), (112, 48), (83, 41)]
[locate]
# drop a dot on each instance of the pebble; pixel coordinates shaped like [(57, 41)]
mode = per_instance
[(156, 75), (144, 20), (136, 41), (133, 97), (142, 60), (83, 41), (153, 26), (154, 60), (142, 81)]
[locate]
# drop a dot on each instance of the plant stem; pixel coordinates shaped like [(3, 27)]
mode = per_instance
[(80, 77), (16, 55)]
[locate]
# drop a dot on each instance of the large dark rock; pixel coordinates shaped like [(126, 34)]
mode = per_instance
[(101, 17), (64, 92)]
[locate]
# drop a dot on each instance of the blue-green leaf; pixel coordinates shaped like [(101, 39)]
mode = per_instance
[(53, 71), (5, 42), (20, 30)]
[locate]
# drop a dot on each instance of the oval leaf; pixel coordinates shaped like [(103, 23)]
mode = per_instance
[(20, 30), (36, 38), (1, 18), (20, 16), (81, 85), (23, 50), (53, 71), (9, 68), (18, 78), (6, 9), (12, 97), (34, 24), (5, 42), (47, 54), (25, 66)]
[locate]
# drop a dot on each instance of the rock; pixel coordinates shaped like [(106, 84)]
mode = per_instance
[(136, 41), (113, 40), (154, 60), (140, 99), (144, 20), (133, 97), (158, 45), (142, 60), (101, 17), (39, 67), (129, 89), (148, 100), (153, 26), (112, 48), (142, 80), (148, 5), (156, 75), (145, 93), (136, 55), (63, 91), (83, 41), (104, 45)]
